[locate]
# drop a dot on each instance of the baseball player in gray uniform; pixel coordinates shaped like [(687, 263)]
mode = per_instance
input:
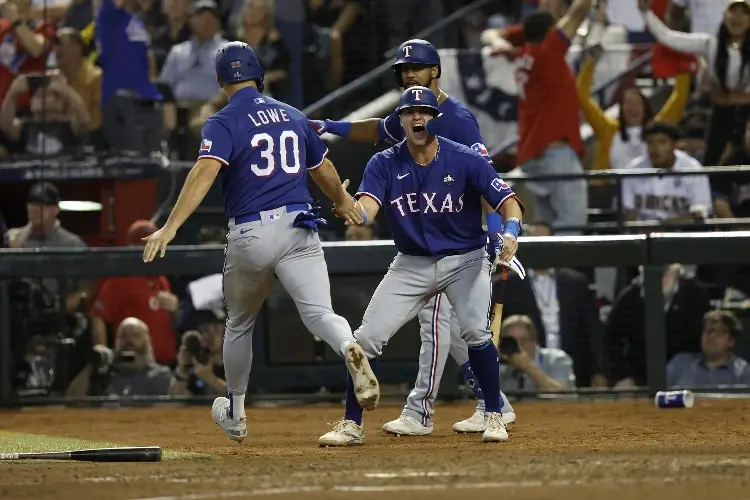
[(265, 149), (418, 64), (431, 189)]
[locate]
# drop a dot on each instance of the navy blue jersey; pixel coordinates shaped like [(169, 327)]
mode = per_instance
[(455, 122), (266, 148), (123, 44), (434, 210)]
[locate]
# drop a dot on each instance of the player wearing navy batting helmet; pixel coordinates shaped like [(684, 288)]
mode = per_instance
[(418, 64), (265, 149), (236, 62), (431, 191)]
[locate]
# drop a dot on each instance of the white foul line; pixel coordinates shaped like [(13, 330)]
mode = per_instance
[(413, 487)]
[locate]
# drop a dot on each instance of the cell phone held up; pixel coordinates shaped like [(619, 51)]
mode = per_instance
[(508, 347), (36, 82)]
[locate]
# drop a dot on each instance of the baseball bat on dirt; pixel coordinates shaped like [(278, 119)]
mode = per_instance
[(131, 454), (497, 309)]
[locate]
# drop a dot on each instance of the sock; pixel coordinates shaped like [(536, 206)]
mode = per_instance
[(236, 406), (353, 410), (485, 363), (471, 380)]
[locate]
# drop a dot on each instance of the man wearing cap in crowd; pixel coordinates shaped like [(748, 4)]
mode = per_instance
[(189, 68), (148, 298), (44, 230)]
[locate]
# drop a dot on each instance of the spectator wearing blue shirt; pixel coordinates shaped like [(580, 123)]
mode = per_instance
[(132, 112), (189, 68), (124, 47), (715, 365)]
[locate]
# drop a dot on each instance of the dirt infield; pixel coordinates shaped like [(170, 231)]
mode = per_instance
[(613, 450)]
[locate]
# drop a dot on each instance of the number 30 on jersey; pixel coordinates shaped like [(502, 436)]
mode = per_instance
[(282, 152)]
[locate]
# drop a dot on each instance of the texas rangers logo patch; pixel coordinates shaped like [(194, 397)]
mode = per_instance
[(481, 149), (205, 146), (499, 185), (448, 179)]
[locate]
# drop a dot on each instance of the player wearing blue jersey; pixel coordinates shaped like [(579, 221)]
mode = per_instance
[(265, 149), (431, 189), (418, 64)]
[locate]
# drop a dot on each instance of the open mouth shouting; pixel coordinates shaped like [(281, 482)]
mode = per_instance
[(419, 130)]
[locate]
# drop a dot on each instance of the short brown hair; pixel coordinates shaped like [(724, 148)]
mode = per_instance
[(518, 320), (726, 318)]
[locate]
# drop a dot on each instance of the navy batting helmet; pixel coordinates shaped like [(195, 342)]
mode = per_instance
[(418, 97), (236, 62), (415, 52)]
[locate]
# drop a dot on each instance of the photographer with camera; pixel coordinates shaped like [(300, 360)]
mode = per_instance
[(59, 117), (128, 370), (200, 359), (528, 366)]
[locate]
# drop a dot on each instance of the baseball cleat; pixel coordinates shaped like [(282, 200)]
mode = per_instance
[(407, 426), (344, 433), (494, 428), (475, 423), (235, 428), (366, 386)]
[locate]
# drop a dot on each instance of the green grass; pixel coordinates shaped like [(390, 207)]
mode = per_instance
[(17, 442)]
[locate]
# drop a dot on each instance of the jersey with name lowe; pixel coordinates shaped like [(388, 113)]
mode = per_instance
[(434, 210), (455, 122), (266, 148)]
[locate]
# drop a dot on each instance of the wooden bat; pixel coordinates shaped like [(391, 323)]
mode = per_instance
[(497, 309), (131, 454)]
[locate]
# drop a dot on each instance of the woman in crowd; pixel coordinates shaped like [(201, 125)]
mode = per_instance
[(727, 55), (619, 139), (258, 31)]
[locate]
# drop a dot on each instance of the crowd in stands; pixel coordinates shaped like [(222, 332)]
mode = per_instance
[(116, 63), (137, 75)]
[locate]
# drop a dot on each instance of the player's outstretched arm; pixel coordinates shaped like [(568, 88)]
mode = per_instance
[(572, 20), (328, 180), (512, 212), (358, 131), (371, 207), (198, 182)]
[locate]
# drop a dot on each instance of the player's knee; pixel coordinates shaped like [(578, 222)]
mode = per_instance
[(372, 347), (237, 330), (476, 336)]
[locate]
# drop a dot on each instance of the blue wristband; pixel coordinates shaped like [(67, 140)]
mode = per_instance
[(364, 216), (512, 227), (342, 129), (494, 222)]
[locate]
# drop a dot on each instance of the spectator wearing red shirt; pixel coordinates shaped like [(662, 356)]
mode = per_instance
[(148, 298), (25, 43), (511, 37), (548, 118)]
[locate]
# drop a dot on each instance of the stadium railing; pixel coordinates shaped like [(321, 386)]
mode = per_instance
[(617, 177), (360, 261)]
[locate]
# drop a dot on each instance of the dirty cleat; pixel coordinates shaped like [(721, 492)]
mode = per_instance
[(475, 423), (407, 426), (366, 387), (494, 428), (344, 433), (235, 428)]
